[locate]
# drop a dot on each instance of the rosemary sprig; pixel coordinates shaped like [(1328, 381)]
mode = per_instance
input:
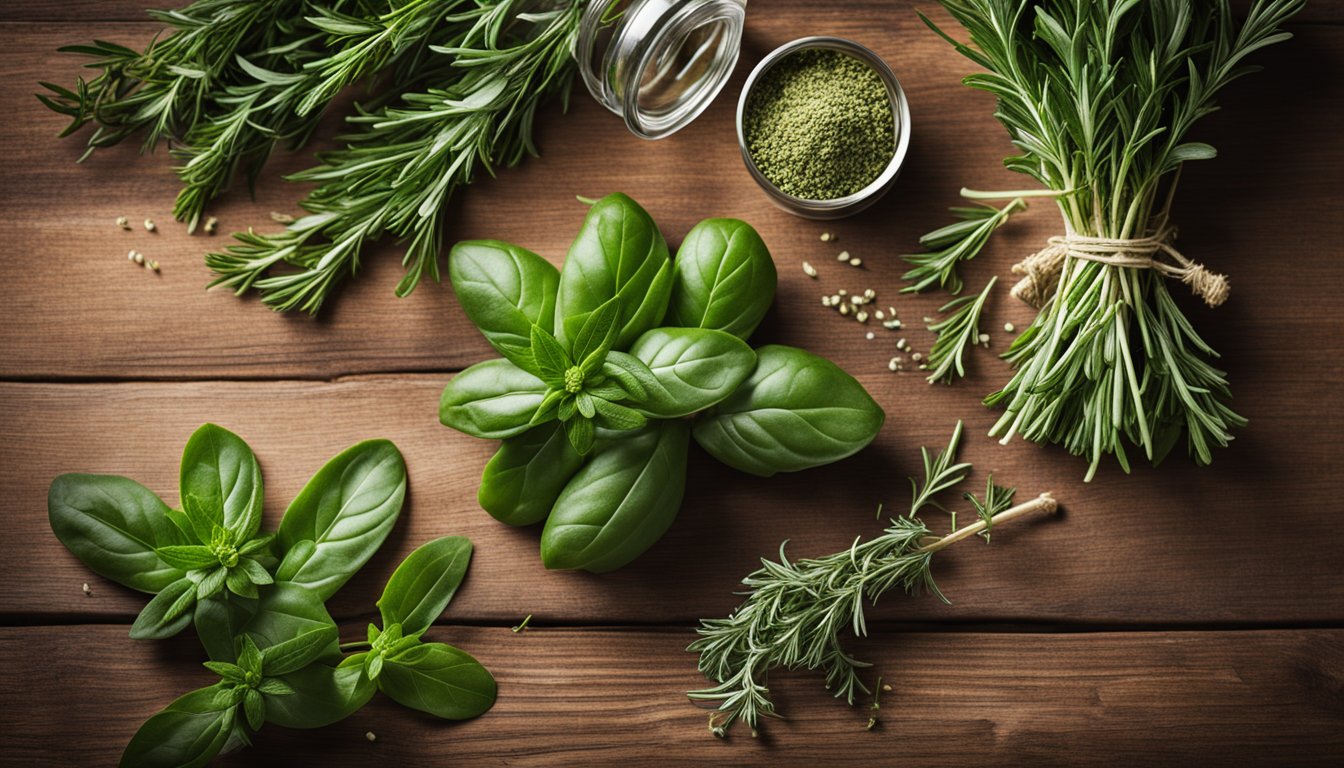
[(957, 242), (398, 170), (957, 331), (795, 612), (1099, 98)]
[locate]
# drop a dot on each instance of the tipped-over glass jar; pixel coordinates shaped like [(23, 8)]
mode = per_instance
[(658, 63)]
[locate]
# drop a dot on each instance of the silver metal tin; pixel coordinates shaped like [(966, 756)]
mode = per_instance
[(900, 111)]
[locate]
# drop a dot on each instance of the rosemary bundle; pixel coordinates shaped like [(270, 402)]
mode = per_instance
[(796, 611), (1099, 98), (455, 85)]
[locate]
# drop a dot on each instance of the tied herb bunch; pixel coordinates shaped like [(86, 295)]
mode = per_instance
[(456, 85), (613, 364), (257, 601), (796, 612), (1099, 99)]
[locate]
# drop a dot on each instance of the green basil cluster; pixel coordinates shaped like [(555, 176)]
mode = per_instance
[(612, 365), (258, 600)]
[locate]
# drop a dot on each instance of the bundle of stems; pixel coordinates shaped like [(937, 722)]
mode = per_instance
[(1099, 98)]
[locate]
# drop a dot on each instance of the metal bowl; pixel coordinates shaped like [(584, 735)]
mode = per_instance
[(850, 204)]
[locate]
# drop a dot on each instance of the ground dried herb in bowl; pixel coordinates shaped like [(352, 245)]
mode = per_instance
[(819, 125)]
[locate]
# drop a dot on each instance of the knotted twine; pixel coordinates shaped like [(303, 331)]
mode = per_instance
[(1041, 270)]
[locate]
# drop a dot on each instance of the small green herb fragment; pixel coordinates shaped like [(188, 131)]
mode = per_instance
[(819, 125), (957, 331), (950, 245)]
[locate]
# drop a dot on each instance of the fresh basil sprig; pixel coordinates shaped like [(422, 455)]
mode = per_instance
[(596, 400)]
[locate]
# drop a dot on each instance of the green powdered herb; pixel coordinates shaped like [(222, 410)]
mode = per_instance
[(819, 125)]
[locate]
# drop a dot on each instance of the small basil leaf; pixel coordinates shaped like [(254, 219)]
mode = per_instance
[(292, 628), (621, 502), (323, 694), (221, 479), (374, 632), (492, 400), (188, 733), (595, 338), (585, 403), (549, 408), (439, 679), (505, 290), (374, 665), (618, 417), (633, 376), (188, 557), (274, 686), (581, 434), (258, 544), (238, 583), (422, 585), (298, 554), (692, 369), (254, 707), (229, 672), (346, 510), (218, 620), (724, 278), (618, 253), (115, 526), (796, 411), (551, 358), (525, 476), (211, 582), (610, 392), (249, 655), (255, 573), (353, 660), (167, 613), (567, 409)]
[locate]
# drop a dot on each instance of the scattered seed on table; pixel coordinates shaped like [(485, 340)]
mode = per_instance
[(869, 294), (861, 316), (844, 309), (895, 364), (123, 222), (371, 736), (87, 590), (149, 225), (856, 262), (154, 265), (870, 336), (880, 315), (281, 218), (210, 225), (809, 270), (842, 256), (984, 338), (827, 237), (137, 257), (843, 292), (900, 344), (1009, 327), (916, 357)]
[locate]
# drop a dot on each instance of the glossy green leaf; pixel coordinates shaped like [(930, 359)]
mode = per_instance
[(526, 475), (254, 707), (168, 613), (551, 359), (424, 583), (724, 278), (188, 557), (619, 252), (292, 628), (218, 621), (188, 733), (439, 679), (595, 338), (493, 400), (796, 411), (323, 694), (692, 369), (221, 480), (621, 502), (346, 510), (114, 526), (581, 433), (617, 417), (505, 290)]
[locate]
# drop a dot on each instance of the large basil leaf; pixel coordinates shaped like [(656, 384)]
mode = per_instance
[(693, 368), (424, 583), (493, 400), (292, 628), (522, 481), (323, 694), (505, 290), (796, 411), (186, 734), (114, 525), (346, 511), (221, 484), (618, 253), (621, 502), (438, 679), (723, 278)]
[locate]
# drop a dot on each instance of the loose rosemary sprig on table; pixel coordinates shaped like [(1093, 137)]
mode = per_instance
[(1099, 97), (949, 246), (795, 612), (398, 171), (956, 332)]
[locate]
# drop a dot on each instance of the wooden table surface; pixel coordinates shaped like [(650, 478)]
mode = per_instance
[(1177, 615)]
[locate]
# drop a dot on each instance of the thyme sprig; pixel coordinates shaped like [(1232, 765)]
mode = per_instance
[(399, 168), (1100, 98), (956, 332), (947, 247), (796, 611)]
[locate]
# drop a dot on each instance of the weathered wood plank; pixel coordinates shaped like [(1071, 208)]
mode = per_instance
[(607, 697), (78, 309), (1254, 538)]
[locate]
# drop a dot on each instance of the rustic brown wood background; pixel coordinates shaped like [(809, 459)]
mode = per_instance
[(1178, 615)]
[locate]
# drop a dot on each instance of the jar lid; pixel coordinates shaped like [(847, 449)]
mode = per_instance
[(659, 63)]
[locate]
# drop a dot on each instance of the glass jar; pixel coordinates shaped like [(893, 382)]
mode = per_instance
[(658, 63)]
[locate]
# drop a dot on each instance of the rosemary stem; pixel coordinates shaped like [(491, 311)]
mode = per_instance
[(980, 194), (1044, 503)]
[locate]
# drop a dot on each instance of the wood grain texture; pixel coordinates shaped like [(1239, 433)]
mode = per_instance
[(1164, 546), (585, 697), (132, 323)]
